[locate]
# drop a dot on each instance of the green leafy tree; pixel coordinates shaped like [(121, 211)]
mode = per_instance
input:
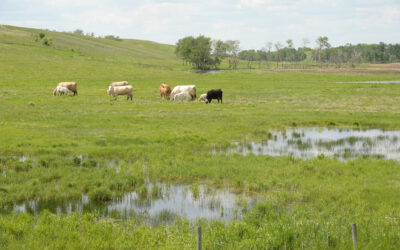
[(78, 32), (232, 51), (199, 52), (322, 43)]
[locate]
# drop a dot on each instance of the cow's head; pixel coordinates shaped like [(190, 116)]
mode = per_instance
[(110, 90)]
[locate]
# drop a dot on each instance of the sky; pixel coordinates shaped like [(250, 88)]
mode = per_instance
[(252, 22)]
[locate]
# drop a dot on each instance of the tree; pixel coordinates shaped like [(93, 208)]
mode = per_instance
[(278, 47), (268, 47), (232, 51), (198, 51), (322, 43), (305, 42), (290, 51), (78, 32), (219, 49), (249, 56), (290, 43), (184, 48)]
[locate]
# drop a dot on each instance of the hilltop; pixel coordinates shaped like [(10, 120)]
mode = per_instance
[(25, 56)]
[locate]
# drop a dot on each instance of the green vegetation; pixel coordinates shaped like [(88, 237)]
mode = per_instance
[(341, 56), (200, 52), (70, 142)]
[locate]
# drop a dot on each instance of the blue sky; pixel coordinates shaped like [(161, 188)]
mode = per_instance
[(252, 22)]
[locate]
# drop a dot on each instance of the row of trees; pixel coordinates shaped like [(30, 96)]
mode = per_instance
[(91, 34), (204, 53), (325, 53)]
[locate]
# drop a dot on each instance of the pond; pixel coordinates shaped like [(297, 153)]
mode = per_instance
[(159, 205), (376, 82), (308, 143)]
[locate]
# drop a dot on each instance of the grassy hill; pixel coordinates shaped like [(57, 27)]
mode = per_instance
[(69, 55)]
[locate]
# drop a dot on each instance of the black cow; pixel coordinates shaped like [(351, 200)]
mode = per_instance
[(214, 94)]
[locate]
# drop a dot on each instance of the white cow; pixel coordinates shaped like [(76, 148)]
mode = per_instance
[(62, 91), (116, 84), (190, 89), (181, 97), (121, 90), (202, 98)]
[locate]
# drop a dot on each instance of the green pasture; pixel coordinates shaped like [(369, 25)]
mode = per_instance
[(303, 203)]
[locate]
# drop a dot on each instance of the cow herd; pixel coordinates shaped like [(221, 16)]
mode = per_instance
[(188, 92), (178, 94)]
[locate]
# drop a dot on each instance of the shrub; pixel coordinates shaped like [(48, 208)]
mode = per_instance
[(41, 35), (112, 37), (47, 41), (78, 32)]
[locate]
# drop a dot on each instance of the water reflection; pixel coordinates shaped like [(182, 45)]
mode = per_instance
[(153, 207), (309, 143)]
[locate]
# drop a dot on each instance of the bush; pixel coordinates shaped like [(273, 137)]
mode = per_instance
[(78, 32), (41, 35), (47, 41), (112, 37)]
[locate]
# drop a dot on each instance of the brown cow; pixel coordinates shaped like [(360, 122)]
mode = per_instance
[(69, 85), (165, 91)]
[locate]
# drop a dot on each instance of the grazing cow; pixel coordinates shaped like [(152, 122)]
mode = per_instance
[(69, 85), (62, 91), (190, 89), (181, 97), (121, 90), (202, 98), (116, 84), (165, 91), (214, 94)]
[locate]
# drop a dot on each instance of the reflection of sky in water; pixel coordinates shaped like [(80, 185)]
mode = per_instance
[(174, 200), (180, 200), (341, 143)]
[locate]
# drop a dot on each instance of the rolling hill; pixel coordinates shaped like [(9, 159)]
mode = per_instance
[(25, 57)]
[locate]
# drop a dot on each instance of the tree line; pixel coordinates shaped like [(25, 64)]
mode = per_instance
[(204, 53)]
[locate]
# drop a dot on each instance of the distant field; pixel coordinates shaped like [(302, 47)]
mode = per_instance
[(302, 203)]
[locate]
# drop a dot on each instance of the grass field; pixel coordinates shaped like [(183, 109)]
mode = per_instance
[(302, 204)]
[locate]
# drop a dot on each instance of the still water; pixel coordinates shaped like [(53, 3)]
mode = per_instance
[(158, 207), (308, 143)]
